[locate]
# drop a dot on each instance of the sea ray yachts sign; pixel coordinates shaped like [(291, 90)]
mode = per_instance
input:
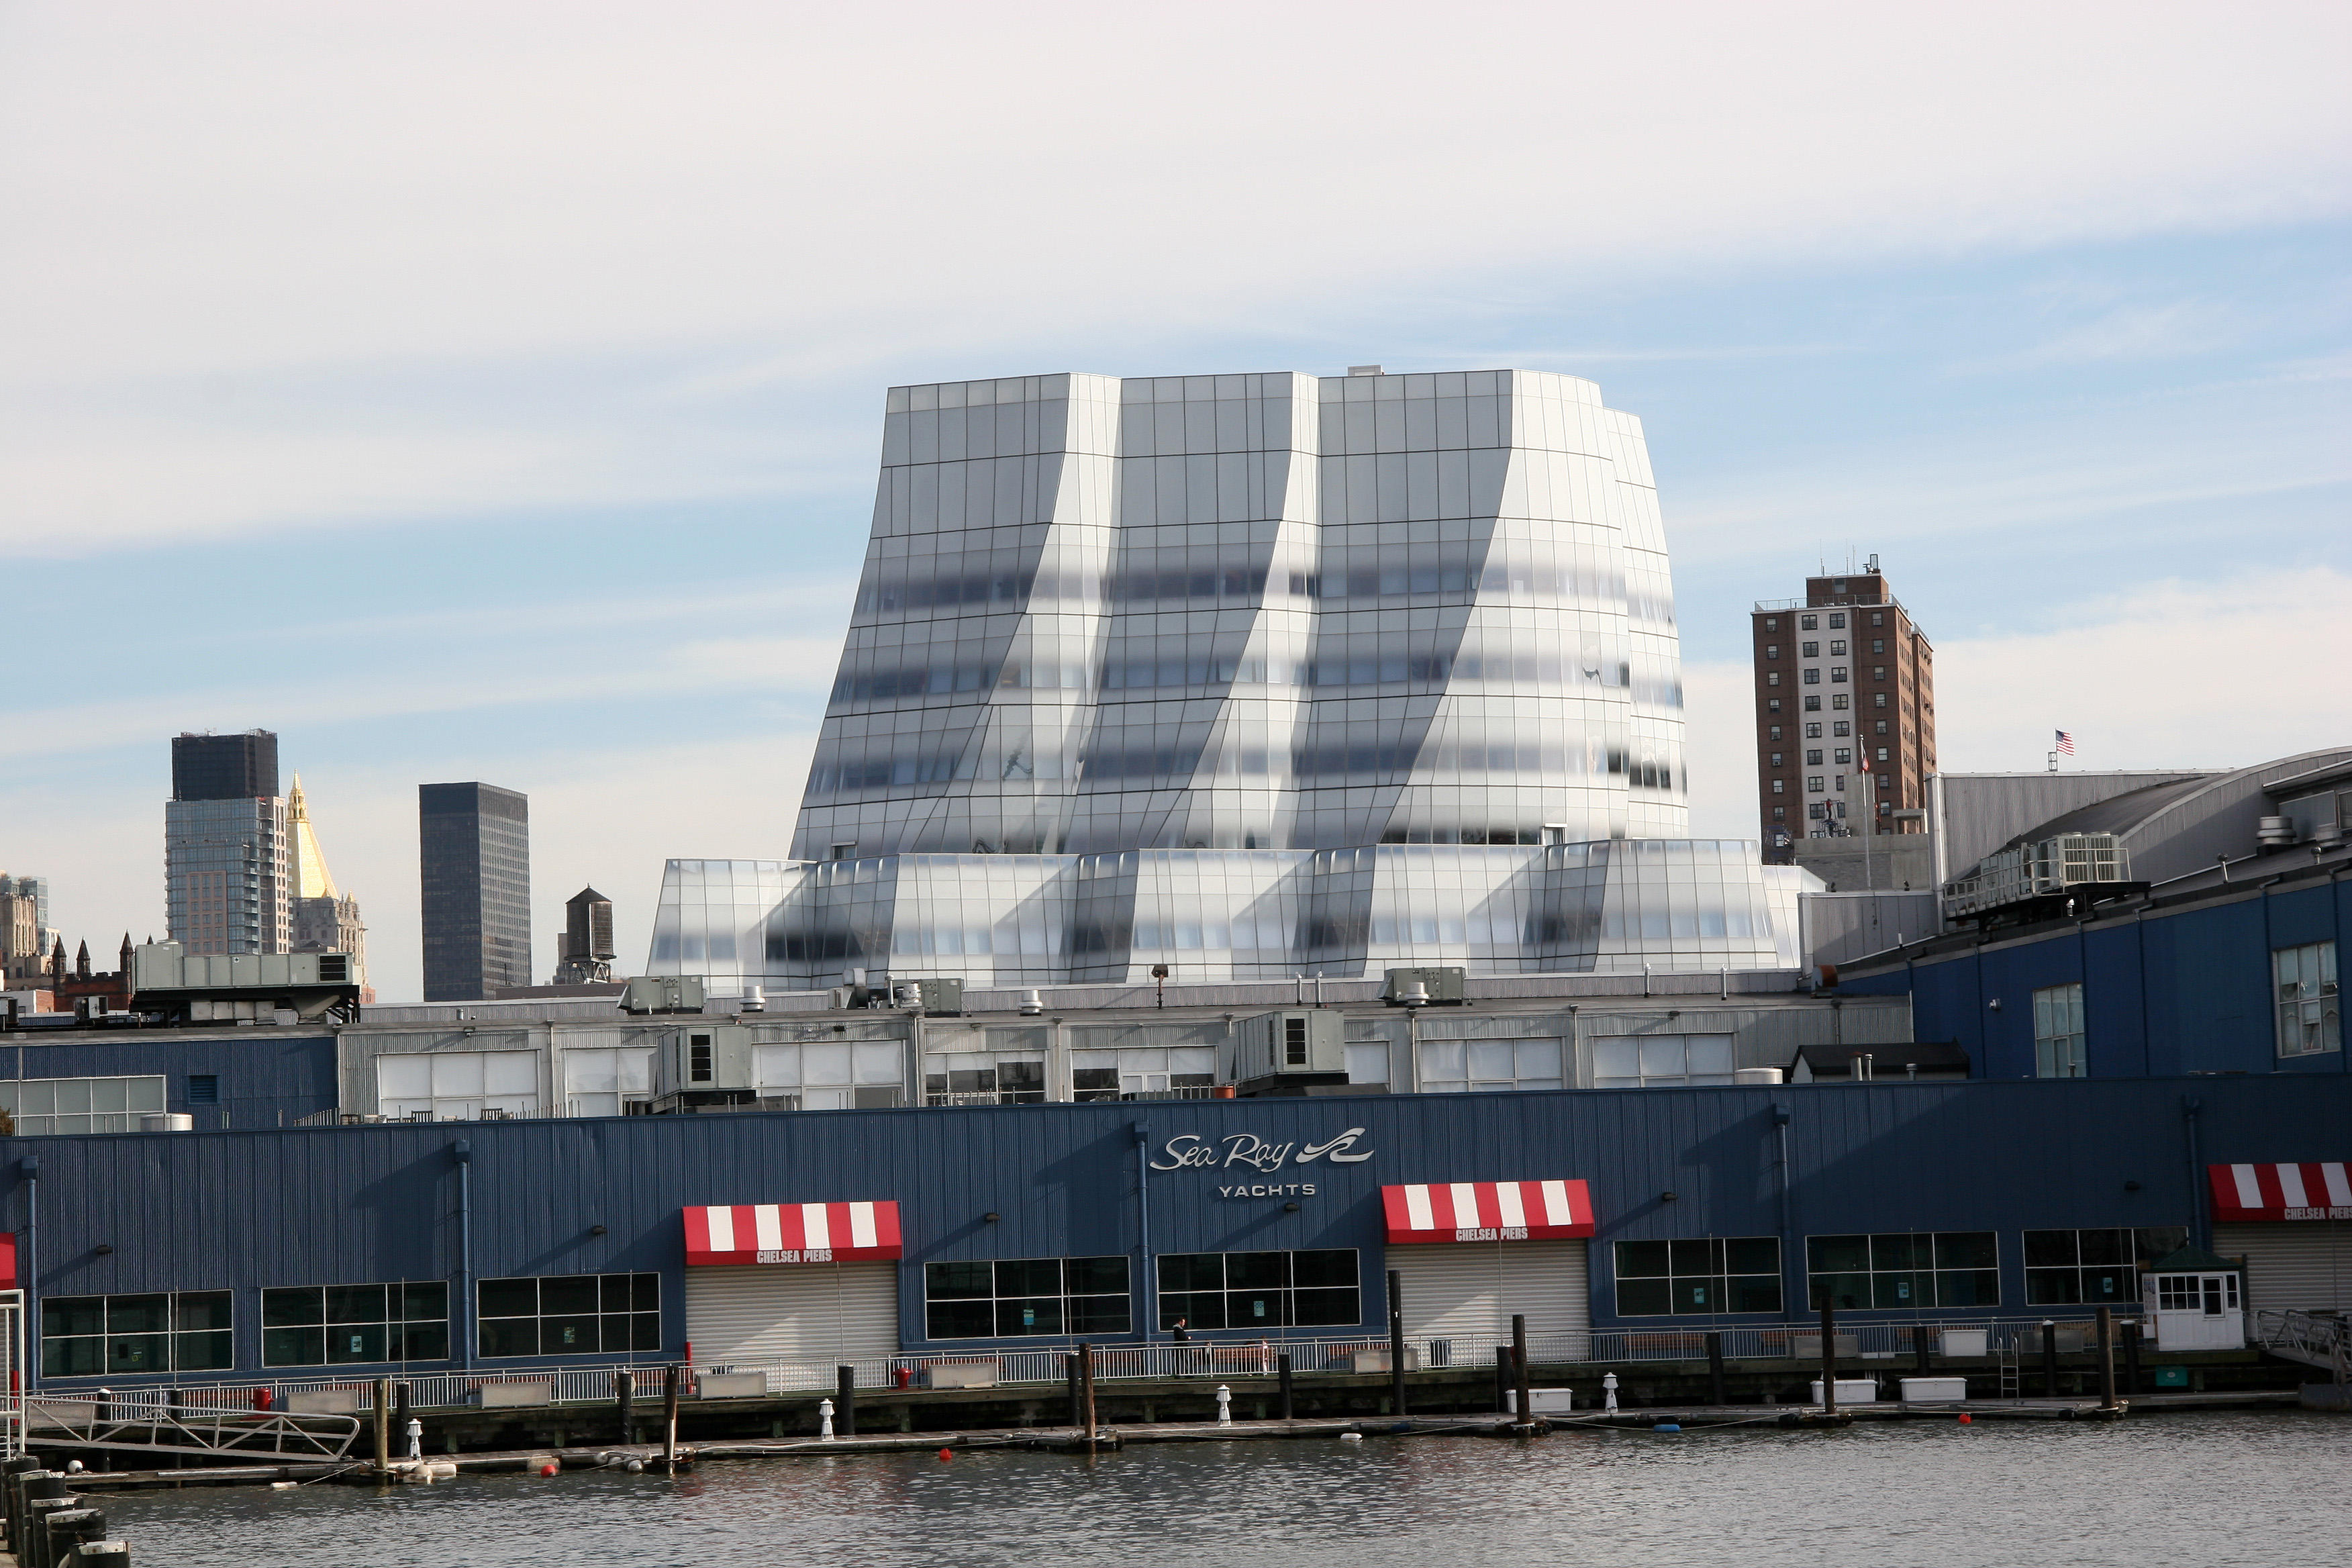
[(1190, 1151)]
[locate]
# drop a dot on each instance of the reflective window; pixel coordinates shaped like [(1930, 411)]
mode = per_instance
[(2310, 1007), (2058, 1032), (1704, 1275), (122, 1336), (315, 1325), (838, 1075), (1259, 1290), (2066, 1267), (1010, 1298), (985, 1078), (569, 1314), (1144, 1072), (1905, 1268), (601, 1080)]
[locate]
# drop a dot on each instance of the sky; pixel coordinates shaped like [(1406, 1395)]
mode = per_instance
[(493, 390)]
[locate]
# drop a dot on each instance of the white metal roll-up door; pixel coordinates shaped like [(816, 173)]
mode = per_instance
[(819, 1313), (2303, 1265), (1465, 1292)]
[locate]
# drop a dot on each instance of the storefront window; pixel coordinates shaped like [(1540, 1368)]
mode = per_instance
[(1704, 1275), (1904, 1270), (569, 1314), (2064, 1267), (1260, 1290), (122, 1336), (314, 1325), (1009, 1298)]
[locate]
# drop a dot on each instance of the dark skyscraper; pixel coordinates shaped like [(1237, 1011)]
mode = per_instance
[(474, 857), (225, 767)]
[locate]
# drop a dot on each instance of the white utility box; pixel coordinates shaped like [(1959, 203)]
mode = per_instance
[(730, 1386), (1960, 1342), (502, 1395), (1550, 1401), (326, 1402), (1851, 1391), (1377, 1360), (1935, 1390), (960, 1374)]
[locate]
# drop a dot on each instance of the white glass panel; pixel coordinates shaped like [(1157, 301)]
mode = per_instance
[(510, 1072), (146, 1094), (636, 1070), (1440, 1060), (457, 1073), (877, 1063), (776, 1067), (73, 1097), (1094, 1059), (110, 1095), (824, 1064), (825, 1100), (1491, 1061), (1616, 1059), (1539, 1059), (1193, 1060), (1710, 1054), (1368, 1064), (596, 1105), (1661, 1056), (591, 1072), (404, 1078)]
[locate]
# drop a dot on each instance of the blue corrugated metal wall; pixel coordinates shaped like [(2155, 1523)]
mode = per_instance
[(265, 1079), (244, 1210), (2185, 992)]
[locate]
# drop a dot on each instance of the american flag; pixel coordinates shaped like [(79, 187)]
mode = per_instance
[(2066, 744)]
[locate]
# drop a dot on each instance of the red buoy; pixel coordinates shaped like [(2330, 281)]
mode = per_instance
[(947, 1453), (549, 1469), (1966, 1418)]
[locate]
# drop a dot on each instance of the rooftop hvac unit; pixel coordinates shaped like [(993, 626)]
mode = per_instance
[(939, 997), (2066, 865), (1281, 1053), (1439, 987), (663, 993), (696, 1061)]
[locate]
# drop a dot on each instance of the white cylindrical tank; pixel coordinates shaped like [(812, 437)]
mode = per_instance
[(1756, 1075)]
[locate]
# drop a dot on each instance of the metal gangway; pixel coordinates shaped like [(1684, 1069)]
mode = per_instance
[(2323, 1340), (136, 1428)]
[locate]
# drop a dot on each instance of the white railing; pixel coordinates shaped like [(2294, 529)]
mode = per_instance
[(2318, 1338), (1127, 1361)]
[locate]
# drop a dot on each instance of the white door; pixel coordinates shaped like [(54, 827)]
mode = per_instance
[(1462, 1295), (2303, 1266), (2197, 1311), (813, 1315)]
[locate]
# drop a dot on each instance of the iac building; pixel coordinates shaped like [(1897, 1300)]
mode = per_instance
[(1252, 676)]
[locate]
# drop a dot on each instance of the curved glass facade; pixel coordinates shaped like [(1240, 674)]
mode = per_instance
[(1259, 674)]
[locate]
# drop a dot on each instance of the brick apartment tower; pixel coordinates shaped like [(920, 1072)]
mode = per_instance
[(1841, 674)]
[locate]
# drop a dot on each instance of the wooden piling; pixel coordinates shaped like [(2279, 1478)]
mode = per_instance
[(2132, 1333), (382, 1424), (624, 1390), (1527, 1406), (2049, 1359), (844, 1402), (1829, 1357), (1282, 1370), (673, 1377), (1077, 1399), (1396, 1342), (2108, 1358), (1715, 1368), (1086, 1391), (1503, 1379)]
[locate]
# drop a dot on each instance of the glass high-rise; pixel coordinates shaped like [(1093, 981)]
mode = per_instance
[(473, 843), (1251, 675), (226, 853)]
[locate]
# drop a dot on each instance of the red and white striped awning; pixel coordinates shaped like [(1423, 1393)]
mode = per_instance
[(792, 1233), (1488, 1211), (2319, 1190)]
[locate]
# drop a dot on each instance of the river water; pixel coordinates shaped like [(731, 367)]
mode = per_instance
[(2151, 1491)]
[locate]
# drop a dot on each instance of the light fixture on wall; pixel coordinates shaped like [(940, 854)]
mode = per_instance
[(1668, 1197), (1290, 1208), (2131, 1187), (992, 1216), (103, 1248), (595, 1230)]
